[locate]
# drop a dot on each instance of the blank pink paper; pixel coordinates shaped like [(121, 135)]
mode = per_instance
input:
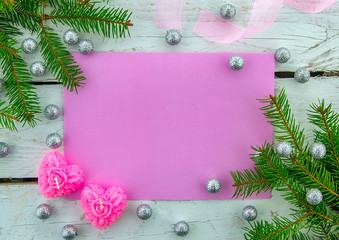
[(161, 124)]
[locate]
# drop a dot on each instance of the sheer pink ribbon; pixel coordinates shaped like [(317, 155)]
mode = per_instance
[(214, 28)]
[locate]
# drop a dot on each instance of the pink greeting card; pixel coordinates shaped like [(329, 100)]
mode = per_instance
[(161, 124)]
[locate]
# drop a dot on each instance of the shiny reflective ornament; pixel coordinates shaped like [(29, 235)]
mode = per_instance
[(38, 69), (314, 196), (3, 149), (283, 149), (302, 75), (43, 211), (29, 46), (2, 84), (69, 232), (213, 185), (52, 112), (181, 228), (282, 55), (236, 62), (318, 150), (86, 47), (54, 140), (173, 37), (249, 213), (144, 211), (71, 37), (227, 12)]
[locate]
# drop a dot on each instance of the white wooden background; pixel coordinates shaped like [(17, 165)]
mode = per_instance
[(313, 40)]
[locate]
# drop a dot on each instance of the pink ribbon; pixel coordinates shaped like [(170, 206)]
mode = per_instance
[(214, 28)]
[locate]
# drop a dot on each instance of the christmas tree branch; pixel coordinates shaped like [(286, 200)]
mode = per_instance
[(86, 2), (325, 233)]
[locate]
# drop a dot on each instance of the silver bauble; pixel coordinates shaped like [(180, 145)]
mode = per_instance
[(3, 149), (69, 232), (283, 149), (29, 45), (236, 62), (249, 213), (181, 228), (144, 211), (52, 112), (43, 211), (318, 150), (213, 185), (2, 84), (54, 140), (282, 55), (38, 69), (302, 75), (227, 12), (71, 37), (173, 37), (314, 196), (86, 47)]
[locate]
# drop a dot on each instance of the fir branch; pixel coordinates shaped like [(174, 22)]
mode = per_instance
[(86, 2), (7, 118), (8, 29)]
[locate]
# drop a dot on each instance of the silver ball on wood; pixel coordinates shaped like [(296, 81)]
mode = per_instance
[(173, 37), (86, 47), (283, 149), (227, 12), (3, 149), (29, 45), (54, 140), (71, 37), (318, 150), (236, 62), (43, 211), (249, 213), (38, 69), (69, 232), (314, 196), (282, 55), (302, 75), (181, 228), (213, 185), (52, 112), (144, 211)]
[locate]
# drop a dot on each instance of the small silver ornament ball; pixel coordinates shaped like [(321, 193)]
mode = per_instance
[(283, 149), (181, 228), (318, 150), (144, 211), (314, 196), (249, 213), (173, 37), (38, 69), (54, 140), (43, 211), (71, 37), (52, 112), (236, 62), (227, 12), (2, 84), (86, 47), (69, 232), (213, 185), (3, 149), (302, 75), (282, 55), (29, 45)]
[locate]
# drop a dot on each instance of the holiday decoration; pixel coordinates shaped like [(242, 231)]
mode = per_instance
[(102, 206), (302, 75), (3, 149), (54, 140), (71, 37), (57, 177), (69, 232), (227, 12), (86, 47), (144, 211), (173, 37), (213, 185), (181, 228), (318, 150), (283, 149), (2, 84), (43, 211), (236, 62), (249, 213), (38, 69), (52, 112), (314, 196), (29, 46), (282, 55)]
